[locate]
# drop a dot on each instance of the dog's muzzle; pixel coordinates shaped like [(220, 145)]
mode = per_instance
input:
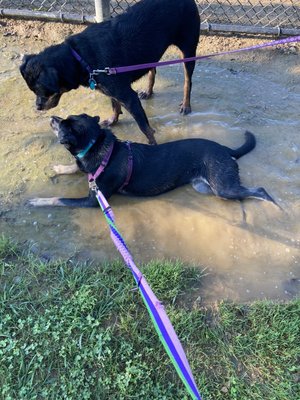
[(54, 123), (45, 103)]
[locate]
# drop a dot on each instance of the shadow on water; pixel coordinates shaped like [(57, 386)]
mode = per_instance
[(243, 260)]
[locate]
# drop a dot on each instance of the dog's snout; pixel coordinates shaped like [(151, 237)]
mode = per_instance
[(40, 103), (55, 120), (54, 123)]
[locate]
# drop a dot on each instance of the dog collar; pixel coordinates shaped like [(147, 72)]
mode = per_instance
[(81, 61), (82, 153), (86, 66)]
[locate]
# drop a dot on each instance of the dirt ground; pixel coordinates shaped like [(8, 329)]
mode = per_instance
[(259, 91)]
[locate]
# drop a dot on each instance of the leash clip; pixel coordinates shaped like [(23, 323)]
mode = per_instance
[(93, 185), (106, 70), (95, 72)]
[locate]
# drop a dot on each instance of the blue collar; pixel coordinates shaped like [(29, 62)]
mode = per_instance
[(82, 153)]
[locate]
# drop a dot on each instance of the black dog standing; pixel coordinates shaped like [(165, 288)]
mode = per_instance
[(140, 35)]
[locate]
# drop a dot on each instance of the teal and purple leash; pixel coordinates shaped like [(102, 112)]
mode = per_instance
[(155, 308)]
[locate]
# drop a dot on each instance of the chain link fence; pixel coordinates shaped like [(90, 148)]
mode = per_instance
[(76, 7), (253, 16)]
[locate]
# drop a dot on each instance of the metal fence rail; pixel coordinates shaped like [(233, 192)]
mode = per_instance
[(255, 16)]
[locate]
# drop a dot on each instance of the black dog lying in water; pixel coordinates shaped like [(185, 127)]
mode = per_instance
[(142, 170), (140, 35)]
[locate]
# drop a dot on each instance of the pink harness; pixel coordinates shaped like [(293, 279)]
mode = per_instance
[(100, 169), (92, 177)]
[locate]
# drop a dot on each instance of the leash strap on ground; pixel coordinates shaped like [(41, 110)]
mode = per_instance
[(119, 70), (156, 310)]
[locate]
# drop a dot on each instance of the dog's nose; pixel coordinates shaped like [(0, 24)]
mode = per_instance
[(54, 123), (40, 103), (55, 119)]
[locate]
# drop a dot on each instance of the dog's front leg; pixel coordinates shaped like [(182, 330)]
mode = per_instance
[(84, 202), (65, 169), (132, 103)]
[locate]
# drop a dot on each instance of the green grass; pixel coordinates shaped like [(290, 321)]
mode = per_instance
[(81, 332)]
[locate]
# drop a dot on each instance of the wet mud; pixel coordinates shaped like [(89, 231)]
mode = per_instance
[(242, 259)]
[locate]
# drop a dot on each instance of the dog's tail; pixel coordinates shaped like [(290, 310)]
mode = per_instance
[(246, 147)]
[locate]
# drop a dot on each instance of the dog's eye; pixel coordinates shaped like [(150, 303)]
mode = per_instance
[(43, 92), (47, 93)]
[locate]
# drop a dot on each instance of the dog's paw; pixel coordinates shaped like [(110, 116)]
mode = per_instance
[(184, 110), (109, 122), (58, 169), (150, 135), (65, 169), (153, 142), (144, 94)]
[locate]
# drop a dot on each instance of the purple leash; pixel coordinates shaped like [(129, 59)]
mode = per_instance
[(119, 70), (155, 308)]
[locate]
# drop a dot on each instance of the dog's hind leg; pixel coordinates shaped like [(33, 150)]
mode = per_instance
[(116, 106), (201, 186), (241, 193), (146, 94), (185, 106), (188, 43)]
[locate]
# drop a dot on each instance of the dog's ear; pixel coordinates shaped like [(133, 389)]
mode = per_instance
[(31, 69), (25, 58), (49, 78), (97, 119)]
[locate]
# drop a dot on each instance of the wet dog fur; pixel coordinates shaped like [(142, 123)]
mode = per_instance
[(156, 169), (140, 35)]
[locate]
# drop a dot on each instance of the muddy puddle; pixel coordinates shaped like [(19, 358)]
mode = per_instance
[(243, 260)]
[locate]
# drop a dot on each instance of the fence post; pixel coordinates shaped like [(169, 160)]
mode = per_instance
[(102, 8)]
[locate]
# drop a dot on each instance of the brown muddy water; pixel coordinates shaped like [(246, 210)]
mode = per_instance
[(243, 260)]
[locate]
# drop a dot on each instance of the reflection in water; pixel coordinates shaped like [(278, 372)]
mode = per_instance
[(243, 260)]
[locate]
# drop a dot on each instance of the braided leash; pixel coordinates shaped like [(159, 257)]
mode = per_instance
[(156, 310)]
